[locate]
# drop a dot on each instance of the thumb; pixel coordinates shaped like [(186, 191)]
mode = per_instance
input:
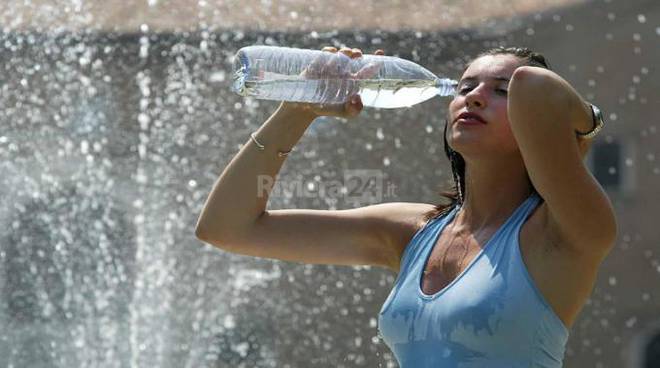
[(353, 106)]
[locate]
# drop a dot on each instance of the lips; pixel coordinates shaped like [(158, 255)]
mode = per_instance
[(471, 117)]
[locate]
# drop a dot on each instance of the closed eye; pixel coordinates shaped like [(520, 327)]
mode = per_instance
[(465, 90)]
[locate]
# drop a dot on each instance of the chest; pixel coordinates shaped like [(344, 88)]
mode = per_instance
[(449, 257), (542, 254), (452, 254)]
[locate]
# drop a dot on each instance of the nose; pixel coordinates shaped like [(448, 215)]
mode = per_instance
[(476, 98)]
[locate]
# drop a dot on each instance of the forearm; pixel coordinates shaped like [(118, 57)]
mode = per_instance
[(240, 195)]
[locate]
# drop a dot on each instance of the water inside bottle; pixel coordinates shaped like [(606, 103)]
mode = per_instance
[(393, 93), (381, 93)]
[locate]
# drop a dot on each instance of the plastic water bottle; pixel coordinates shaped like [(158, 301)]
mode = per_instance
[(298, 75)]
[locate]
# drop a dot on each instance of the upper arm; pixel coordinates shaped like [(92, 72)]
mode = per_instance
[(370, 235), (541, 108)]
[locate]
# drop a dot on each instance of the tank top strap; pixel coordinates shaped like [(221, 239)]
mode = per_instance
[(526, 209)]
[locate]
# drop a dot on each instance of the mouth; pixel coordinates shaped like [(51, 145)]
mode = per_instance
[(470, 118)]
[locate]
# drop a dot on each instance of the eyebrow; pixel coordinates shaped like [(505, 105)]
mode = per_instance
[(504, 79)]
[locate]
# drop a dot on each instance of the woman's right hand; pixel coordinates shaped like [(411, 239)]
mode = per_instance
[(353, 106)]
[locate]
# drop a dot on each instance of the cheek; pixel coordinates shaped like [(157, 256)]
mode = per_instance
[(502, 111), (453, 106)]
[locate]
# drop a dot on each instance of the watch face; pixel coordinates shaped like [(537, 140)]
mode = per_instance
[(597, 113), (597, 120)]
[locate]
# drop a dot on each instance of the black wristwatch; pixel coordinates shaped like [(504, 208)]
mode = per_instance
[(597, 117)]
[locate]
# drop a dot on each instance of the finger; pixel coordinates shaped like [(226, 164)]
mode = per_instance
[(314, 69), (336, 66), (379, 52), (357, 53), (353, 106), (346, 51), (369, 70)]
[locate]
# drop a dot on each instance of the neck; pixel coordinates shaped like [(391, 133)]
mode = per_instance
[(493, 190)]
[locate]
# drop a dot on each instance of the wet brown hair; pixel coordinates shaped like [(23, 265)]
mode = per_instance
[(457, 192)]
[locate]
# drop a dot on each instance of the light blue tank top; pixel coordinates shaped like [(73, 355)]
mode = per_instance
[(491, 315)]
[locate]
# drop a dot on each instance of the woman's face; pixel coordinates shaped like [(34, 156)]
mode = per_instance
[(482, 91)]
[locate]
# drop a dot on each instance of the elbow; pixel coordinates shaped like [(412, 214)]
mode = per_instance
[(206, 232), (221, 238), (524, 90), (534, 91), (531, 84), (527, 81), (211, 238), (200, 233), (222, 232), (203, 234), (530, 74)]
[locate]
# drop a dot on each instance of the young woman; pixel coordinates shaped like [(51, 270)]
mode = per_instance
[(493, 279)]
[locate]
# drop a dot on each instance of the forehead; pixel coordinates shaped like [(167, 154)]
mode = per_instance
[(492, 66)]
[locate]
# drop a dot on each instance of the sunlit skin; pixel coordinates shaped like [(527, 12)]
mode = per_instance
[(496, 177), (490, 151), (529, 113), (492, 157)]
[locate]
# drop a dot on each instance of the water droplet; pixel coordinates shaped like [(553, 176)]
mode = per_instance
[(218, 76), (84, 147)]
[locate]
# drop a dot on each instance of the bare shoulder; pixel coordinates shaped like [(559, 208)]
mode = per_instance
[(399, 221)]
